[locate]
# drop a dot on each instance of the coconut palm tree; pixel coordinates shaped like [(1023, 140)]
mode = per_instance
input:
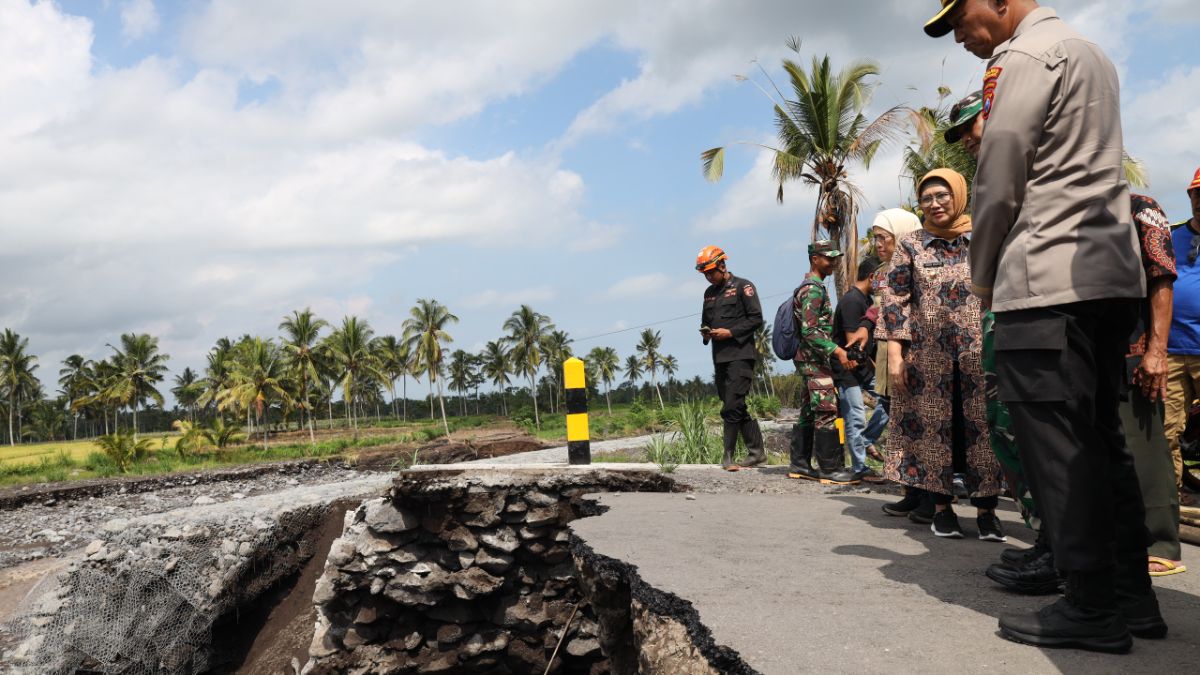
[(391, 365), (350, 352), (823, 133), (648, 346), (461, 376), (257, 381), (633, 370), (497, 366), (187, 391), (302, 333), (16, 375), (75, 379), (556, 347), (425, 333), (141, 366), (526, 329), (605, 362), (670, 366), (764, 361)]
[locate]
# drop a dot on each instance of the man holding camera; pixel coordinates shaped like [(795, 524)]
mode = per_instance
[(852, 316), (816, 433)]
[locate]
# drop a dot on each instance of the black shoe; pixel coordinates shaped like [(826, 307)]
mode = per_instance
[(912, 499), (727, 460), (865, 472), (989, 527), (945, 524), (923, 514), (1067, 624), (1016, 557), (801, 451), (1036, 577), (1142, 616)]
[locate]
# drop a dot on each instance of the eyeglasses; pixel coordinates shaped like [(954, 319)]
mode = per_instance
[(942, 198)]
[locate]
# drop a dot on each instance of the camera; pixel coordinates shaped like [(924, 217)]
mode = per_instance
[(855, 353)]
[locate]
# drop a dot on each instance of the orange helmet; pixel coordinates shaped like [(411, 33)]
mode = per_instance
[(708, 258)]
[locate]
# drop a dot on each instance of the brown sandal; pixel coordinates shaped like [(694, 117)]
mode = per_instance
[(874, 454)]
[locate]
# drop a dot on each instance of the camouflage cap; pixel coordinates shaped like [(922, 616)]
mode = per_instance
[(963, 115), (824, 247)]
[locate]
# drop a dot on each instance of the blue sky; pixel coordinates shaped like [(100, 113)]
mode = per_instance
[(200, 169)]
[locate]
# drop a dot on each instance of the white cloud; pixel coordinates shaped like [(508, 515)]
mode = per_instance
[(524, 296), (139, 18)]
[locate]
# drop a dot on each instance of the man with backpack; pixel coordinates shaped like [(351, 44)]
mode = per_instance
[(816, 432), (731, 316)]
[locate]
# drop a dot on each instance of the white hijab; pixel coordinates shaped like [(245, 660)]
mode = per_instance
[(897, 222)]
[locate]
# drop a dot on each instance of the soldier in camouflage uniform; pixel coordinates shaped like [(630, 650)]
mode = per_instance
[(816, 432)]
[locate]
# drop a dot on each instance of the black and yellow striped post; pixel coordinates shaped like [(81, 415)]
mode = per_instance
[(579, 448)]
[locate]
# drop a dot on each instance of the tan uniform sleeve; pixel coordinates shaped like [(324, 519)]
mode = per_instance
[(1016, 104)]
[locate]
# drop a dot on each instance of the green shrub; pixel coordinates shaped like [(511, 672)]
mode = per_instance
[(661, 452), (763, 407), (788, 390), (123, 449)]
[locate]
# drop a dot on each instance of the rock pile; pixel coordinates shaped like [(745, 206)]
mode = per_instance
[(464, 571)]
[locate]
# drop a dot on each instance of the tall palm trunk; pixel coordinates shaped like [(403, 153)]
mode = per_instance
[(404, 388), (607, 399), (431, 418), (12, 403), (537, 421), (442, 403)]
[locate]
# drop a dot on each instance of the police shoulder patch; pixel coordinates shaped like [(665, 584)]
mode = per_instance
[(749, 290), (990, 79)]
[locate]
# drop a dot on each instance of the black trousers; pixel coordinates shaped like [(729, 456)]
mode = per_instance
[(733, 384), (1061, 370)]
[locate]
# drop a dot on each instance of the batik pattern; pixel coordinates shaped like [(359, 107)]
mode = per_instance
[(927, 303)]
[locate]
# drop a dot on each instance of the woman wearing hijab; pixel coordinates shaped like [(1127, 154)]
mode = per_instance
[(938, 435), (890, 226)]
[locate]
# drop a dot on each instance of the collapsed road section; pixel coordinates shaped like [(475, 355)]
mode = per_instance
[(148, 593), (470, 569), (476, 571)]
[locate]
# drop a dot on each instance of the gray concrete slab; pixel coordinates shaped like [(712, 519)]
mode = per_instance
[(827, 583)]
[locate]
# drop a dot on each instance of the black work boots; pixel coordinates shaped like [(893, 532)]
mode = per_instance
[(1086, 618), (755, 452), (801, 451), (752, 436), (831, 458)]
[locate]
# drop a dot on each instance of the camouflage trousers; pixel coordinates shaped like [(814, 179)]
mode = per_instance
[(1000, 429), (818, 399)]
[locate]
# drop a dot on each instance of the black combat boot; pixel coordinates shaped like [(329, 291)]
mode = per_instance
[(801, 451), (1036, 576), (731, 436), (1136, 599), (1086, 618), (1015, 557), (755, 452), (831, 457)]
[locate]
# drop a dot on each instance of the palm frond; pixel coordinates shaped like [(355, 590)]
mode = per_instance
[(713, 164)]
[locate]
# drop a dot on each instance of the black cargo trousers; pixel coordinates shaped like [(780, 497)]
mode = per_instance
[(1061, 370)]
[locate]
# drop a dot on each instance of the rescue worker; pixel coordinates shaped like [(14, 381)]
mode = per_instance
[(731, 316), (1053, 257), (816, 432)]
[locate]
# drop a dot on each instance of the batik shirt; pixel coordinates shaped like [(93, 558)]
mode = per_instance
[(1158, 257)]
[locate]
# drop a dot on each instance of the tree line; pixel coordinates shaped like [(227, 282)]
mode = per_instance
[(316, 369)]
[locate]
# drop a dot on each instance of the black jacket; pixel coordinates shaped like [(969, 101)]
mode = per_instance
[(733, 305)]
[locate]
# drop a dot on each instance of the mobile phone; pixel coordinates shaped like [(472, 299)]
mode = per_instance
[(705, 330)]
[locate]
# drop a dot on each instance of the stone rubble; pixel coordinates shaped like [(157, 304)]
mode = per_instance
[(464, 572)]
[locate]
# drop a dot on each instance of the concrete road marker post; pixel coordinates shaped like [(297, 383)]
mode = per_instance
[(579, 449)]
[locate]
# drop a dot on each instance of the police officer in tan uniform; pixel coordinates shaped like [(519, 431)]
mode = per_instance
[(1054, 253)]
